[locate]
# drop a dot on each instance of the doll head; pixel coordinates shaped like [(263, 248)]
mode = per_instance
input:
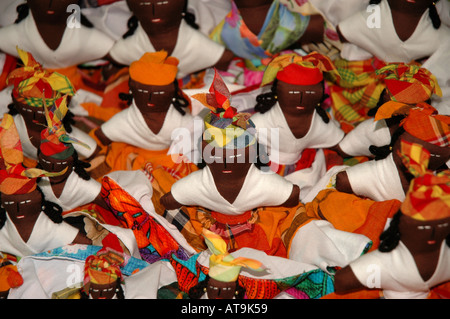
[(34, 86), (298, 82), (224, 269), (229, 140), (423, 221), (50, 10), (9, 277), (102, 274), (429, 130), (157, 12), (153, 83)]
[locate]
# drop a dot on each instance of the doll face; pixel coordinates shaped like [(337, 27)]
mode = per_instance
[(19, 206), (102, 291), (228, 161), (30, 114), (152, 98), (295, 99), (50, 9), (439, 155), (220, 289), (425, 233), (54, 165), (160, 12)]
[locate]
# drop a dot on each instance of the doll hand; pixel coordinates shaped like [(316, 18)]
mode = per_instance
[(169, 202)]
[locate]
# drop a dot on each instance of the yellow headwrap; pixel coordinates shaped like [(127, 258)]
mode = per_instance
[(222, 265)]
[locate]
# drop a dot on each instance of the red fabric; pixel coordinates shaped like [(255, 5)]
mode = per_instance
[(300, 75)]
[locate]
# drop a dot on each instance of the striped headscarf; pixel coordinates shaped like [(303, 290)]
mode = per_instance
[(428, 196), (32, 82), (15, 178), (222, 265), (225, 126)]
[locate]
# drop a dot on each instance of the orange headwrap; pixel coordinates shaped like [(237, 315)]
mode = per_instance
[(431, 128), (428, 197), (300, 70), (154, 68)]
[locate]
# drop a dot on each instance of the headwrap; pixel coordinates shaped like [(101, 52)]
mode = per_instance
[(9, 275), (55, 142), (299, 70), (408, 83), (154, 68), (222, 265), (104, 267), (31, 82), (431, 128), (428, 197), (225, 126), (15, 178)]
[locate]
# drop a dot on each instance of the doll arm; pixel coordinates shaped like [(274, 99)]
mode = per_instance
[(224, 60), (169, 202), (82, 239), (343, 183), (294, 198), (346, 281), (315, 30), (102, 137)]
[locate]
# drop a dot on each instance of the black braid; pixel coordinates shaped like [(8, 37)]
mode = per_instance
[(265, 101), (179, 101), (80, 167), (382, 152), (132, 23), (126, 97), (51, 209), (2, 216), (189, 17), (391, 236)]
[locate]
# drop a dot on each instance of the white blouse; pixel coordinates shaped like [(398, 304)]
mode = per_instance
[(78, 44), (194, 50)]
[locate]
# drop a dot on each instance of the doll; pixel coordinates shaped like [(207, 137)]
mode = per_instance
[(387, 178), (403, 24), (222, 279), (42, 28), (31, 83), (231, 185), (9, 277), (29, 223), (154, 96), (75, 187), (405, 84), (414, 251), (258, 40), (164, 25), (102, 273), (296, 97)]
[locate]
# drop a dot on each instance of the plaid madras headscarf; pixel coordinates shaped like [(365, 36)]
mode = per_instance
[(409, 83), (14, 177), (32, 82), (428, 197)]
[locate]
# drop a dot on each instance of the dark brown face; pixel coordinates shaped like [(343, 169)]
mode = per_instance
[(439, 155), (105, 291), (229, 161), (424, 234), (30, 114), (152, 98), (220, 289), (158, 12), (20, 206), (50, 9), (54, 165), (294, 99)]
